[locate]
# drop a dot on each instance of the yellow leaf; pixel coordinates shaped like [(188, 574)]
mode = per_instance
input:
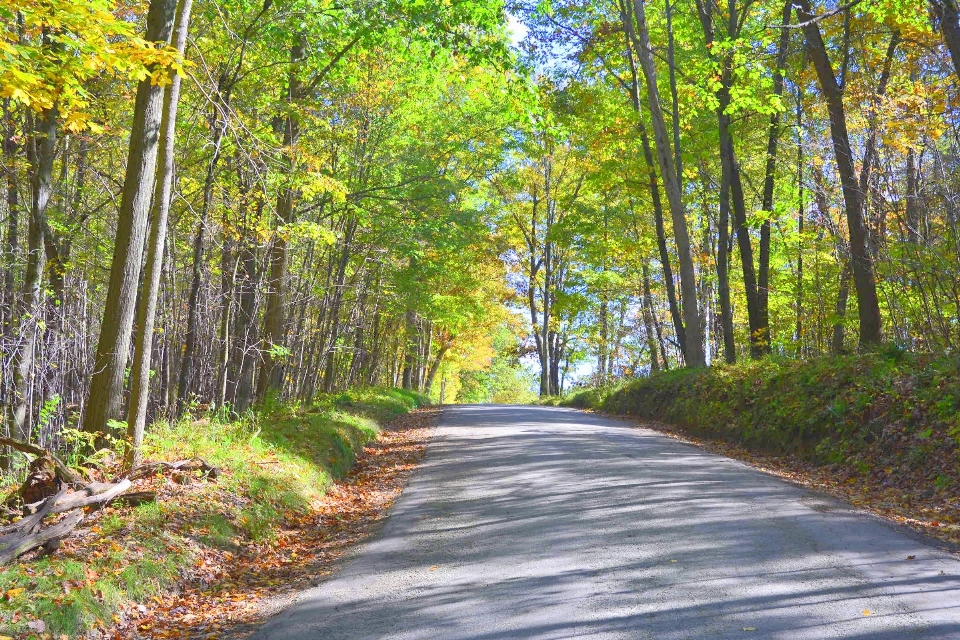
[(866, 612), (749, 628), (13, 593)]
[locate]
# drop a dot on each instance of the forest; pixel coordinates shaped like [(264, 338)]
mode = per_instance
[(213, 204), (214, 209)]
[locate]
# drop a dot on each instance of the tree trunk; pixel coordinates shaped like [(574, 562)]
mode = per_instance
[(113, 347), (185, 381), (723, 276), (147, 307), (654, 188), (868, 306), (41, 153), (275, 313), (694, 354), (769, 175), (836, 344), (948, 15), (9, 307), (648, 315)]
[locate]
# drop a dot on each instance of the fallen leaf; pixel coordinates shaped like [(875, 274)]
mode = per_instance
[(13, 593), (866, 612), (749, 628), (911, 557), (434, 567)]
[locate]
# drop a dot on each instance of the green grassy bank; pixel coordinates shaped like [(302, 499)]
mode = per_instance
[(890, 416), (275, 465)]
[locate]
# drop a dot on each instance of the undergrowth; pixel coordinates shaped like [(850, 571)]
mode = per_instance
[(890, 415), (276, 464)]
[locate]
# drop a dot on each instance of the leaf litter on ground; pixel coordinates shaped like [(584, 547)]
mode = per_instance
[(229, 591)]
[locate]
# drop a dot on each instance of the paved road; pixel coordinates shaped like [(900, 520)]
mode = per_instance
[(531, 522)]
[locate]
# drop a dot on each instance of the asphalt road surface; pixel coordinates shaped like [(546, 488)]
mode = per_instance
[(536, 522)]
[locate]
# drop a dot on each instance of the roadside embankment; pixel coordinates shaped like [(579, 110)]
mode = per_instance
[(881, 429), (128, 571)]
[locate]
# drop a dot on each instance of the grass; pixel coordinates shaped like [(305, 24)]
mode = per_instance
[(276, 465), (891, 415)]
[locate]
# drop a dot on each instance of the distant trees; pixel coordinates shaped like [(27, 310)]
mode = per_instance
[(805, 147), (247, 222)]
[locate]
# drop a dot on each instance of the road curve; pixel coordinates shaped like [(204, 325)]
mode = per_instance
[(537, 522)]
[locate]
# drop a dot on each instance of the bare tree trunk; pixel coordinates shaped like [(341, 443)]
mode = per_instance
[(147, 307), (113, 347), (41, 153), (9, 308), (694, 354), (654, 187), (723, 275), (868, 305), (275, 314)]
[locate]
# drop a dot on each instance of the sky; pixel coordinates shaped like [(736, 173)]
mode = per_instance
[(517, 30)]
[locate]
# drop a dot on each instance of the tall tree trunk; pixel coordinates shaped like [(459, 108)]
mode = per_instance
[(948, 15), (654, 186), (275, 312), (759, 338), (868, 306), (12, 249), (648, 316), (219, 122), (410, 350), (840, 311), (113, 346), (913, 199), (769, 176), (723, 276), (435, 365), (243, 328), (147, 306), (694, 354), (41, 151)]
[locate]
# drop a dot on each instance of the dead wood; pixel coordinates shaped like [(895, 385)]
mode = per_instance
[(135, 498), (96, 493), (190, 464), (65, 473), (14, 545), (32, 522)]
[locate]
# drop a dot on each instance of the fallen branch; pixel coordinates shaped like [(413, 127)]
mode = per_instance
[(31, 523), (135, 498), (96, 493), (64, 472), (190, 464), (15, 545)]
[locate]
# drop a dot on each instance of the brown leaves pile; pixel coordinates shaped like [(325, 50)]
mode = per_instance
[(227, 592)]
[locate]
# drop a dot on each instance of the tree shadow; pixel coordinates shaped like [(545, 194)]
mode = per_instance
[(536, 522)]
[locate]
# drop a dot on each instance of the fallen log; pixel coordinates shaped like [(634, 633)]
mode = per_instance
[(14, 545), (135, 498), (190, 464), (96, 493), (31, 523), (65, 473)]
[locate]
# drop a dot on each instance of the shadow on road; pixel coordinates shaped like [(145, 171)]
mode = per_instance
[(536, 522)]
